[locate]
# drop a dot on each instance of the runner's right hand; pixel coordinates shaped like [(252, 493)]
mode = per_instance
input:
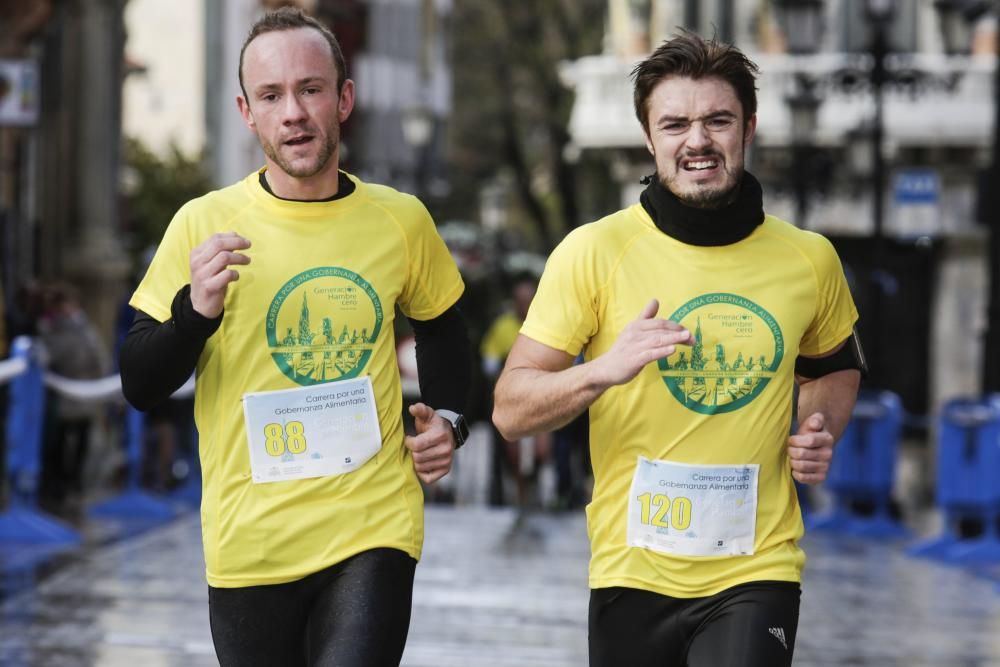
[(645, 339), (210, 272)]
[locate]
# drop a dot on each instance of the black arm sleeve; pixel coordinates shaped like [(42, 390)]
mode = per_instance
[(444, 364), (158, 357)]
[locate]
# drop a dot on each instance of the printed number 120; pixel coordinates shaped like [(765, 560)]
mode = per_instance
[(291, 438), (679, 509)]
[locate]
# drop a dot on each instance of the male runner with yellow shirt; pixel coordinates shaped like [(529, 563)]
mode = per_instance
[(312, 512), (696, 313)]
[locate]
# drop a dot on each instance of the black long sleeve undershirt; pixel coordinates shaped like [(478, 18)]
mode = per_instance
[(158, 357), (444, 360)]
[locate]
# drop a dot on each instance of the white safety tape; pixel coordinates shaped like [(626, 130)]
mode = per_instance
[(102, 388), (11, 368), (85, 390), (186, 390)]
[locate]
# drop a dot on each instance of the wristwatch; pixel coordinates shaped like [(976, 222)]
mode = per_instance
[(458, 426)]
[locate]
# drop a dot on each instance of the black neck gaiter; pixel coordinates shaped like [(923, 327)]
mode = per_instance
[(702, 226)]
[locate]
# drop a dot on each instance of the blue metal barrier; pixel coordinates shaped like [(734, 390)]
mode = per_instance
[(863, 469), (134, 502), (968, 481), (189, 492), (22, 522)]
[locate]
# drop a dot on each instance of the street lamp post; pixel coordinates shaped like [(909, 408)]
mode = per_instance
[(418, 130), (991, 377), (879, 14), (803, 23), (802, 20), (877, 261), (991, 368), (804, 105), (957, 17)]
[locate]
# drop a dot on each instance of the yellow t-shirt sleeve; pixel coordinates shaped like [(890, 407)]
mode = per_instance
[(565, 311), (169, 271), (434, 283), (835, 312)]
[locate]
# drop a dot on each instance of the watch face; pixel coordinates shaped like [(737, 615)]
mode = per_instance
[(461, 428), (458, 426)]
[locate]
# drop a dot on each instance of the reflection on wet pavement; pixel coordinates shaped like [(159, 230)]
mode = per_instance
[(493, 590)]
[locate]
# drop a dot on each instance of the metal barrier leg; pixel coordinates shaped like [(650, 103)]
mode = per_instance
[(24, 525), (23, 522), (983, 549), (836, 521), (938, 547), (863, 470), (190, 491), (134, 502), (968, 463), (881, 524)]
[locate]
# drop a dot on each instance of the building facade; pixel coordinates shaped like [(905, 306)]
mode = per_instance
[(59, 204)]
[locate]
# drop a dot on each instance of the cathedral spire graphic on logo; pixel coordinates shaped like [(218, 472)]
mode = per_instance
[(309, 353), (746, 348)]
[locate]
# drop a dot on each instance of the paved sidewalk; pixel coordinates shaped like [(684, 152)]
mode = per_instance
[(494, 590)]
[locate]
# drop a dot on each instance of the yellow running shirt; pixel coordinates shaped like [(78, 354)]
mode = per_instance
[(753, 307), (500, 337), (324, 276)]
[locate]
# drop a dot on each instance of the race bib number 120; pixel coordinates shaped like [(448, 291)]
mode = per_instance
[(693, 510)]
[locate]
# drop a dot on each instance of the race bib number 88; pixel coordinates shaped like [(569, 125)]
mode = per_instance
[(314, 431), (693, 510)]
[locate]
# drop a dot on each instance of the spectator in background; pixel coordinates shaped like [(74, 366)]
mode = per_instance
[(170, 442), (24, 310), (571, 452), (528, 456), (74, 351)]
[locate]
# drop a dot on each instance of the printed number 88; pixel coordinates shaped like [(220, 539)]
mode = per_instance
[(291, 438)]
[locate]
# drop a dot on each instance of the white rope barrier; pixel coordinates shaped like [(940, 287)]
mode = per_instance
[(11, 368), (186, 390), (102, 389), (99, 389), (85, 390)]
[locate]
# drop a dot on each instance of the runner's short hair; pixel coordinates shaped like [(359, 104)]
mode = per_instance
[(690, 55), (290, 18)]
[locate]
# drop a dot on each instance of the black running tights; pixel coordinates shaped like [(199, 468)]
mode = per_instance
[(353, 614)]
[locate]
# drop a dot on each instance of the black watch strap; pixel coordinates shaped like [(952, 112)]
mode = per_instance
[(458, 426)]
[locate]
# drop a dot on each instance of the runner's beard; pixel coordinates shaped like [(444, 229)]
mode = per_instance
[(322, 157), (708, 198)]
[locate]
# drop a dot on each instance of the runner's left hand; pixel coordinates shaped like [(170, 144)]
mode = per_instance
[(810, 450), (433, 446)]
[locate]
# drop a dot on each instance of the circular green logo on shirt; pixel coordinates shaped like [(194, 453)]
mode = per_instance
[(738, 347), (322, 325)]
